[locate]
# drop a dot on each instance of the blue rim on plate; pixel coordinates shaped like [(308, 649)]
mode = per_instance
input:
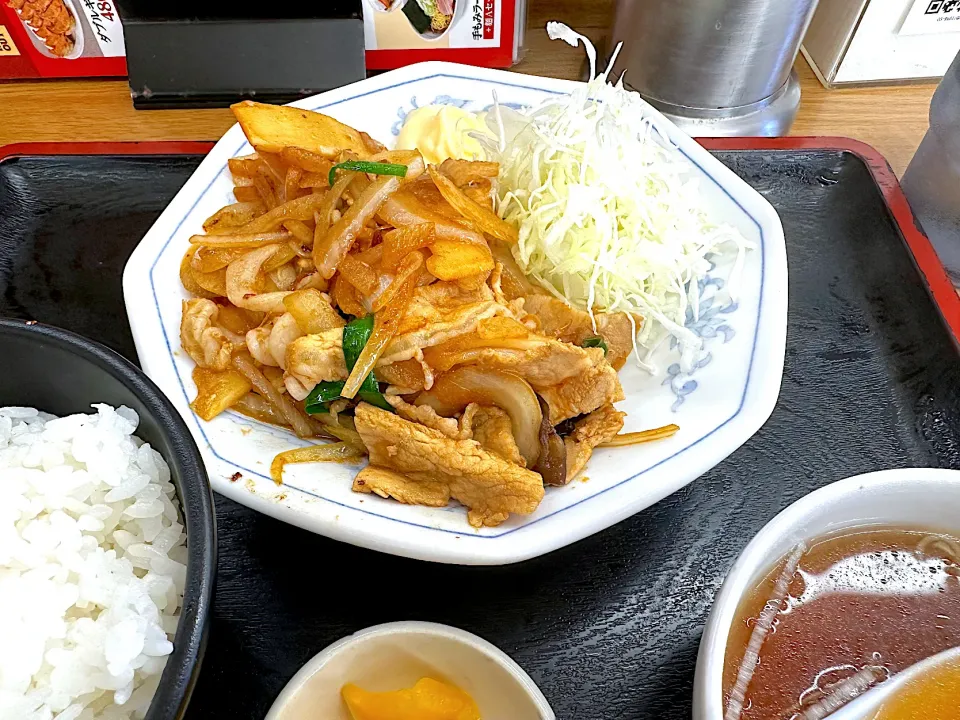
[(149, 255)]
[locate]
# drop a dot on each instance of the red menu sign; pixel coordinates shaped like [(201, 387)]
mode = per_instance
[(60, 38), (401, 32), (77, 38)]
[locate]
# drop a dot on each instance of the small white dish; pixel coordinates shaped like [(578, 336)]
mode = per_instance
[(397, 655), (725, 399), (912, 497), (867, 705)]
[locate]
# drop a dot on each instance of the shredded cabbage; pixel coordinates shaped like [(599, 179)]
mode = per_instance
[(429, 7), (608, 209)]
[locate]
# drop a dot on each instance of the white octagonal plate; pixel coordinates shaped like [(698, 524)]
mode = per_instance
[(718, 406)]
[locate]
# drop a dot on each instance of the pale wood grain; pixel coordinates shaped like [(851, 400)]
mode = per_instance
[(892, 119)]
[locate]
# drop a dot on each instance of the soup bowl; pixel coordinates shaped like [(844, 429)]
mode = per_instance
[(910, 498)]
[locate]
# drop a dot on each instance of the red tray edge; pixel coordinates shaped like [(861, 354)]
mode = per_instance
[(147, 147), (928, 263)]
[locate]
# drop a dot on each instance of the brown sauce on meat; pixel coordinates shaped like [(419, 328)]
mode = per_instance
[(875, 601)]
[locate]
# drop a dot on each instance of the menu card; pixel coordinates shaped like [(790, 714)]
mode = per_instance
[(60, 38), (76, 38), (476, 32)]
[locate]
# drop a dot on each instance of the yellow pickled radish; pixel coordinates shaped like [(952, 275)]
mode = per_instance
[(428, 699)]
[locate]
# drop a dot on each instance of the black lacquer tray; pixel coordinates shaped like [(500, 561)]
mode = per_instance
[(607, 627)]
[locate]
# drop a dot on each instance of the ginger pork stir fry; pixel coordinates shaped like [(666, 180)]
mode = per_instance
[(355, 295)]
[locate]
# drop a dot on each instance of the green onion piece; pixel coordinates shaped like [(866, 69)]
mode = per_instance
[(318, 401), (374, 168), (375, 398), (596, 341), (355, 336)]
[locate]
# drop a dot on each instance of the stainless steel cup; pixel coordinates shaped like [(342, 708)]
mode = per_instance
[(717, 67)]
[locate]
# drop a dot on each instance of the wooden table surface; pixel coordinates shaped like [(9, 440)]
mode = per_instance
[(892, 119)]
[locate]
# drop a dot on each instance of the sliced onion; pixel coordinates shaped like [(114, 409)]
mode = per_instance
[(243, 166), (232, 216), (845, 691), (456, 389), (324, 425), (281, 403), (482, 217), (409, 265), (635, 438), (284, 254), (254, 406), (338, 239), (751, 656), (469, 348), (411, 158), (247, 240), (243, 277), (404, 209), (512, 280), (301, 208), (284, 277), (340, 427), (323, 216), (386, 322), (334, 452), (312, 280), (211, 259)]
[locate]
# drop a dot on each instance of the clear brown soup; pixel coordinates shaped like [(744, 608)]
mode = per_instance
[(871, 602)]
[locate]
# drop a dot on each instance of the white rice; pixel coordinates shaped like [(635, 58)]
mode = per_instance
[(92, 566)]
